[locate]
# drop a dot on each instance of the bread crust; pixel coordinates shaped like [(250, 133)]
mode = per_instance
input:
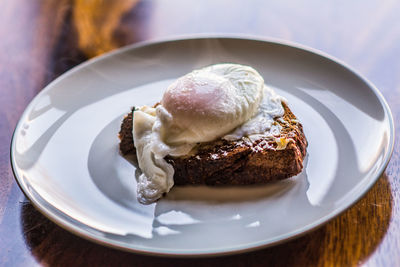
[(239, 162)]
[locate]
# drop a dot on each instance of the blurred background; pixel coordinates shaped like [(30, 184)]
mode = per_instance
[(364, 34)]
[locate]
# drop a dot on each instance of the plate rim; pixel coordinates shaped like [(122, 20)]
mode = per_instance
[(75, 229)]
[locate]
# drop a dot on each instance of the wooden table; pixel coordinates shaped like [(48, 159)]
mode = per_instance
[(41, 39)]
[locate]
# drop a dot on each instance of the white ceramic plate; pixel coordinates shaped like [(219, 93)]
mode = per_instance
[(65, 150)]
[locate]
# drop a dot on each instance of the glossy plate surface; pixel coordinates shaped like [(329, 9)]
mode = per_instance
[(65, 150)]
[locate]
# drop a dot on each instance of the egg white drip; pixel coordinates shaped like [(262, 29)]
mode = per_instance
[(157, 174), (151, 149)]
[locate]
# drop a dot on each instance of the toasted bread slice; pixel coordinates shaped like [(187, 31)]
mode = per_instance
[(238, 162)]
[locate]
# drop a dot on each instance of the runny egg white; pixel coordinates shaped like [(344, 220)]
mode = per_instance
[(227, 101)]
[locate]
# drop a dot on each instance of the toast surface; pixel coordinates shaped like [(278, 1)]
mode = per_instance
[(238, 162)]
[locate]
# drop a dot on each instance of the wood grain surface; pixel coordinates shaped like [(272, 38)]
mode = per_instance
[(41, 39)]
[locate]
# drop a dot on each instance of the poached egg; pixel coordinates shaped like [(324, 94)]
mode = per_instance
[(227, 101)]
